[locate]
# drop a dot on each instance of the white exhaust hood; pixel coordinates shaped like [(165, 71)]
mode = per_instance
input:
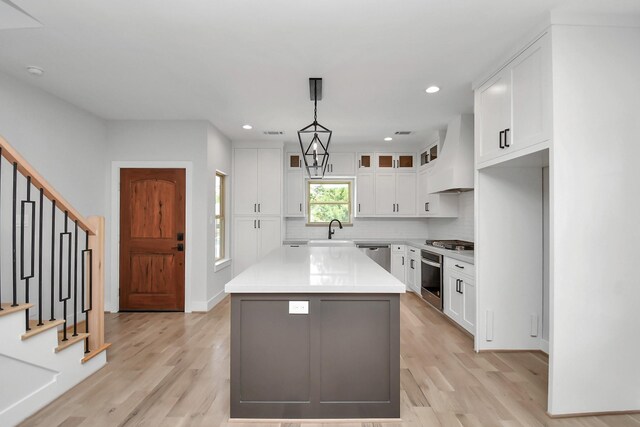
[(453, 171)]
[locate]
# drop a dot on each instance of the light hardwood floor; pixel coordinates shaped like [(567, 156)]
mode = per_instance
[(172, 369)]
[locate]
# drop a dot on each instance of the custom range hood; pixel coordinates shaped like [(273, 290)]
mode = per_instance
[(453, 171)]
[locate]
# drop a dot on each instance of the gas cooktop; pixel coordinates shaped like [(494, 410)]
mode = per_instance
[(454, 245)]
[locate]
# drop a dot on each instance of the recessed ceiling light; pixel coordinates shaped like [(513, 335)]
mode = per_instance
[(433, 89), (36, 71), (388, 138), (247, 127)]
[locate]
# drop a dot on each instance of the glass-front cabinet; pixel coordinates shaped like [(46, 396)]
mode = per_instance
[(365, 162), (395, 162), (294, 161)]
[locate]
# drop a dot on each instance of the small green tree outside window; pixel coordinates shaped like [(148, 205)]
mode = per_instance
[(329, 200)]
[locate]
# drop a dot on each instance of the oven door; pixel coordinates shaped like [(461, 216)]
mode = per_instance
[(431, 286)]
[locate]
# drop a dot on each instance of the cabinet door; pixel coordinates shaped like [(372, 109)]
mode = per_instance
[(245, 244), (365, 195), (365, 162), (453, 304), (405, 162), (295, 194), (269, 181), (245, 178), (398, 266), (385, 162), (269, 234), (405, 194), (294, 162), (468, 318), (530, 83), (341, 164), (422, 195), (494, 116), (386, 194)]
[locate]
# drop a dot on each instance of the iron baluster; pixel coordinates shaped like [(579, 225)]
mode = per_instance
[(75, 280), (13, 234), (84, 274), (23, 276), (40, 259), (65, 235), (53, 250)]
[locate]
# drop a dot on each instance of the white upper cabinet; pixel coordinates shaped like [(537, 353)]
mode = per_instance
[(365, 195), (395, 194), (341, 164), (434, 205), (366, 162), (395, 162), (294, 195), (513, 108), (257, 181)]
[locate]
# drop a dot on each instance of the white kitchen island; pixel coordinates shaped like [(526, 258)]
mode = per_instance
[(315, 333)]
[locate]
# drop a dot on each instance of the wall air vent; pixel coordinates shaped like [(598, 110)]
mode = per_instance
[(273, 132), (403, 132)]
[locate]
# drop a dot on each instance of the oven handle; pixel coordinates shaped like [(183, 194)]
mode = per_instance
[(431, 263)]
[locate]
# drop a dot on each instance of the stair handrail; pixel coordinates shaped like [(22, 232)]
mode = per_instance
[(10, 153)]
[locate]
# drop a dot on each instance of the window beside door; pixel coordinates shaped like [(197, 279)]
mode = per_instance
[(327, 200), (220, 218)]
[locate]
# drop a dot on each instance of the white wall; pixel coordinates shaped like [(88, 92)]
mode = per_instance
[(162, 141), (67, 146), (595, 225), (219, 153), (455, 228)]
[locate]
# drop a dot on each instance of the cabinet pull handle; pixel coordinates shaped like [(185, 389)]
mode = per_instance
[(254, 223), (500, 138), (459, 266), (427, 206), (258, 207), (300, 207), (506, 138), (258, 223), (299, 163), (255, 207), (359, 164), (403, 260), (358, 207), (458, 285), (397, 207), (394, 207)]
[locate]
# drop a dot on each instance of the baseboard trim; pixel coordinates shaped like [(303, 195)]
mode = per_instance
[(594, 414), (544, 346), (204, 306), (315, 420)]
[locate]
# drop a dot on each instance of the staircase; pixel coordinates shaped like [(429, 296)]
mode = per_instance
[(51, 291)]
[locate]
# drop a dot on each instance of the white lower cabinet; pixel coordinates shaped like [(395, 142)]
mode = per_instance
[(398, 262), (254, 237), (460, 293), (413, 271)]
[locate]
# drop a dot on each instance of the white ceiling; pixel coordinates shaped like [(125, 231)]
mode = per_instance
[(248, 61)]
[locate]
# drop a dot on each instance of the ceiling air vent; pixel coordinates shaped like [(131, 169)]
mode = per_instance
[(403, 132), (273, 132)]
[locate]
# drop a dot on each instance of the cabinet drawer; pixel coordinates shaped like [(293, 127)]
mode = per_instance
[(398, 248), (460, 267)]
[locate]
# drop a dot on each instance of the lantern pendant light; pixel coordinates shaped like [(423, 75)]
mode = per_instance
[(315, 152)]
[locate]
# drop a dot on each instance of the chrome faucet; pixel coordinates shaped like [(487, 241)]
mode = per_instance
[(331, 232)]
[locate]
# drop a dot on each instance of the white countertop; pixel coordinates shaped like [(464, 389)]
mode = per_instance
[(315, 270)]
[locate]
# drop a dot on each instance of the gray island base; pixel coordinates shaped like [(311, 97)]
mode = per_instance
[(341, 360)]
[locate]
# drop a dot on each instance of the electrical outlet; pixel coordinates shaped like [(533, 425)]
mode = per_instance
[(298, 307)]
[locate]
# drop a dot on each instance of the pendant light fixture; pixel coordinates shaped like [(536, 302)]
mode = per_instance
[(315, 138)]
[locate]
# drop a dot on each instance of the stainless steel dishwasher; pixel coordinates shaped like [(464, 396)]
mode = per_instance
[(381, 254)]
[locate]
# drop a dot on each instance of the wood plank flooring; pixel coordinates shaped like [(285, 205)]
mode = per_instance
[(172, 369)]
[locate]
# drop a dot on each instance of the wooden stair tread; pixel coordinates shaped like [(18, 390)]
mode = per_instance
[(70, 340), (35, 329), (96, 352), (7, 309)]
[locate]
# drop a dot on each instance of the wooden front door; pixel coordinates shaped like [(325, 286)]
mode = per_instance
[(152, 229)]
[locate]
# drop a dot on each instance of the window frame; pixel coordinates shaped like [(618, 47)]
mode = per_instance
[(349, 203), (220, 217)]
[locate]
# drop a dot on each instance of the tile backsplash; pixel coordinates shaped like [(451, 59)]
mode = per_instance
[(395, 228)]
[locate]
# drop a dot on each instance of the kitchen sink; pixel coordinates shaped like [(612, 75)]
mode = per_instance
[(332, 242)]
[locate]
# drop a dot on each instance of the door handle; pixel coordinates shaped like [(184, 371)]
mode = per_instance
[(180, 237), (506, 138), (500, 139), (180, 247)]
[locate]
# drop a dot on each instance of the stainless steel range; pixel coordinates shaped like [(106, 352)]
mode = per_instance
[(431, 282)]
